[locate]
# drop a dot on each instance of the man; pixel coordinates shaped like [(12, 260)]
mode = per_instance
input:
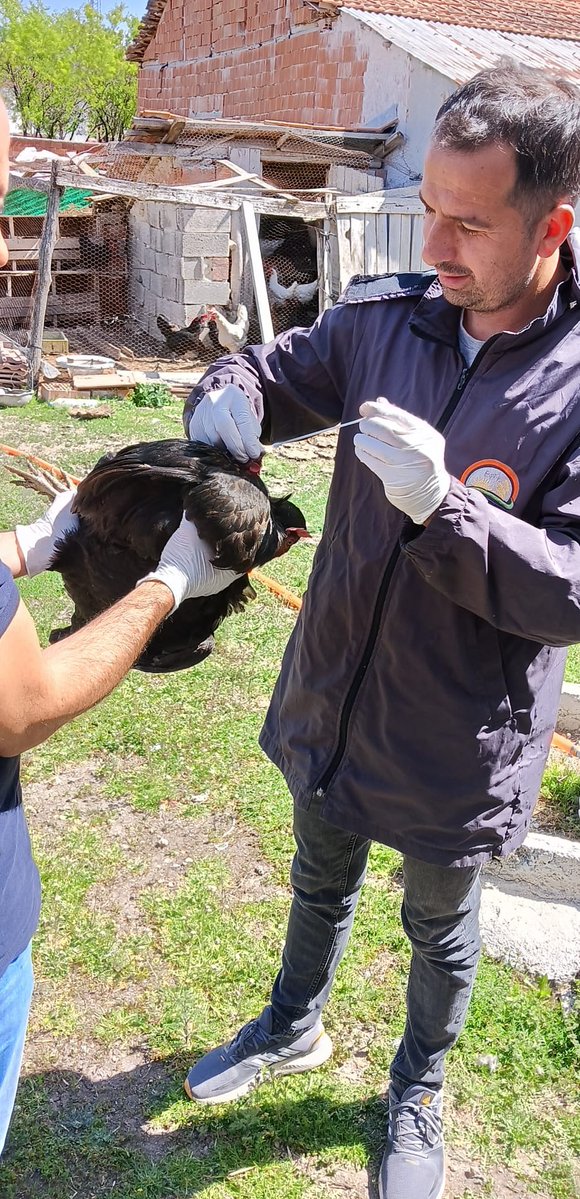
[(43, 689), (418, 694)]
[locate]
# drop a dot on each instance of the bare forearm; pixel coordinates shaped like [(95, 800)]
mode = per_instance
[(11, 555), (78, 672)]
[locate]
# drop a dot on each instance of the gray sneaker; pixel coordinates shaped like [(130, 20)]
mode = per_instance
[(413, 1166), (255, 1053)]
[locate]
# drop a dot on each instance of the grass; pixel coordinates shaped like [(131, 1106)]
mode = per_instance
[(163, 838)]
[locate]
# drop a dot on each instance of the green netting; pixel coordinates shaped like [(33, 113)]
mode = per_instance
[(24, 201)]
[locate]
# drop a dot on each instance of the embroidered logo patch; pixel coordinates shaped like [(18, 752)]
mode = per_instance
[(496, 480)]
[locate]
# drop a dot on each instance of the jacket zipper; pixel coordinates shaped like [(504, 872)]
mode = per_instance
[(381, 597)]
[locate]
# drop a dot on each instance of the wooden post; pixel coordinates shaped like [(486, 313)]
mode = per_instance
[(43, 276), (260, 288)]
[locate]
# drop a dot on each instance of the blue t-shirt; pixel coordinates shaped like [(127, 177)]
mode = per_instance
[(19, 881)]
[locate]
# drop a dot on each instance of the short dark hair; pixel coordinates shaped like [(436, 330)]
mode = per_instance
[(534, 113)]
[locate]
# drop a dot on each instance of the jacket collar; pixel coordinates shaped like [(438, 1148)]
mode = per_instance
[(434, 318)]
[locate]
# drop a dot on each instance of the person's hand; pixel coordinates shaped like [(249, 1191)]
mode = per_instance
[(185, 566), (226, 417), (38, 541), (407, 454)]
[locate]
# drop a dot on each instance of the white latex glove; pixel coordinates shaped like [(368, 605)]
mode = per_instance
[(226, 417), (38, 540), (185, 566), (407, 454)]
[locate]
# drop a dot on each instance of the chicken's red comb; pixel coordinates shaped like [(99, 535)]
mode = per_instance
[(254, 467)]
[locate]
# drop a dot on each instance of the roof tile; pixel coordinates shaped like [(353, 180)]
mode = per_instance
[(559, 18)]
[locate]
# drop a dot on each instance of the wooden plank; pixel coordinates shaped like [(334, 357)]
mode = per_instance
[(43, 280), (417, 263), (308, 209), (345, 269), (405, 246), (381, 201), (33, 243), (394, 249), (357, 244), (175, 130), (382, 221), (257, 267), (323, 236), (370, 228), (32, 256), (106, 380)]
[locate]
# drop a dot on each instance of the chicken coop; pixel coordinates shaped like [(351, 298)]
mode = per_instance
[(156, 262), (188, 262), (89, 261)]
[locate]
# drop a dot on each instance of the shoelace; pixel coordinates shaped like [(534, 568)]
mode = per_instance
[(252, 1032), (414, 1128)]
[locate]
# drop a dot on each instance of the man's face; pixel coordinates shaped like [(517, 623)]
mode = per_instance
[(479, 244), (4, 170)]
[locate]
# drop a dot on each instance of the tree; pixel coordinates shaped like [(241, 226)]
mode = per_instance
[(66, 73)]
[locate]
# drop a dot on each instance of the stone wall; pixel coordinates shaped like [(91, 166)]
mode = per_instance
[(178, 261)]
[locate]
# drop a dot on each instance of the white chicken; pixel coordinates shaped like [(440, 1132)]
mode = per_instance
[(305, 292), (280, 294), (232, 335)]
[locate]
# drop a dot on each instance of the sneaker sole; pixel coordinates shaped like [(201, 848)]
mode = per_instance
[(317, 1055)]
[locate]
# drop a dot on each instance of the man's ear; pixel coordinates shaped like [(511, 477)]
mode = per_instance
[(555, 229)]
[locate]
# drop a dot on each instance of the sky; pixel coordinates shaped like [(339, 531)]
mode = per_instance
[(135, 7)]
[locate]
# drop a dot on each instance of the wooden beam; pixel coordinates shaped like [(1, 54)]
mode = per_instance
[(257, 265), (43, 279), (310, 210), (382, 201)]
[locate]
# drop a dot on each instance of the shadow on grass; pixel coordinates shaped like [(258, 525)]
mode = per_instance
[(130, 1136)]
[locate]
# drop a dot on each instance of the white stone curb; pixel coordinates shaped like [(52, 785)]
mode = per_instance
[(569, 714), (530, 913)]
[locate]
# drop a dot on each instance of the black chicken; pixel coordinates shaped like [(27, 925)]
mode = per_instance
[(128, 507), (181, 341)]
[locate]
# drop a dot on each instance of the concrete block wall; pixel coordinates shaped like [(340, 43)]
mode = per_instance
[(178, 262), (202, 57)]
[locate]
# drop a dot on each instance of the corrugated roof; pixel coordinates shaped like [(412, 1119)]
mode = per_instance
[(558, 19), (458, 53), (538, 18), (24, 201)]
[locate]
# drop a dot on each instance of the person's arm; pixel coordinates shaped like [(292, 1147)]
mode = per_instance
[(522, 578), (294, 385), (11, 555), (43, 689)]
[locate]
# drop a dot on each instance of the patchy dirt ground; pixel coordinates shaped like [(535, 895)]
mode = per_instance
[(463, 1179), (120, 1086)]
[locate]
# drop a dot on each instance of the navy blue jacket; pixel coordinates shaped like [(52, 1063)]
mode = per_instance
[(419, 690)]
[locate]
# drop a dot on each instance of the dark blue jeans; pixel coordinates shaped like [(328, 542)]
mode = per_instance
[(440, 917)]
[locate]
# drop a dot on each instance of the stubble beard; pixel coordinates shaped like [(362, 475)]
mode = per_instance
[(476, 299)]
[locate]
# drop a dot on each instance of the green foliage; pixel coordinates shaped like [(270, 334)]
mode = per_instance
[(561, 787), (151, 395), (67, 72)]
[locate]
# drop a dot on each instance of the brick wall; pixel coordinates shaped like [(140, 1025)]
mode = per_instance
[(254, 59)]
